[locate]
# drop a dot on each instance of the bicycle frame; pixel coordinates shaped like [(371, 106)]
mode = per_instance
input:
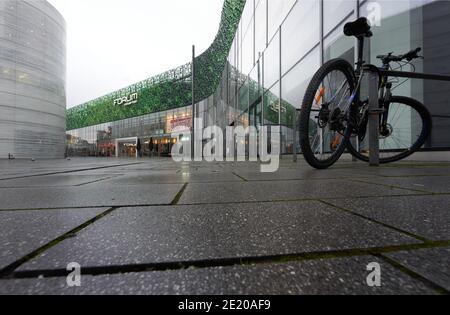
[(385, 94)]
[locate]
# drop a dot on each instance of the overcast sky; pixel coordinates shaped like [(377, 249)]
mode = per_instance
[(115, 43)]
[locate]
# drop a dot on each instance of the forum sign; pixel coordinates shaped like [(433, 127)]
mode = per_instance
[(126, 100)]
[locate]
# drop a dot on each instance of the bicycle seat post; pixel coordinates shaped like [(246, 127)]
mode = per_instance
[(360, 51)]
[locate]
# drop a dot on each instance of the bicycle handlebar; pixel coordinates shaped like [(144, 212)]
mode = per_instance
[(413, 54)]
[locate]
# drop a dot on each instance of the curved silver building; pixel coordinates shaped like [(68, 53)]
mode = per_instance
[(32, 80)]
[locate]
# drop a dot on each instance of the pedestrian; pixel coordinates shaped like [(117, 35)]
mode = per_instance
[(150, 147), (138, 148)]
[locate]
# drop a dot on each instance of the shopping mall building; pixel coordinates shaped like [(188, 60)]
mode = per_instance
[(257, 69)]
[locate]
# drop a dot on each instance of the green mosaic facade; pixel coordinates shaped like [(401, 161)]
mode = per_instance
[(169, 90)]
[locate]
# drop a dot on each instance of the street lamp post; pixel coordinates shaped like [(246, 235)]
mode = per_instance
[(193, 104)]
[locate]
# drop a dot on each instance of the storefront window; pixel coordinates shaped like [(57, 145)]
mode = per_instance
[(337, 45), (335, 11), (243, 97), (271, 105), (248, 50), (300, 32), (277, 12), (272, 62), (247, 14), (260, 28), (297, 80), (255, 84)]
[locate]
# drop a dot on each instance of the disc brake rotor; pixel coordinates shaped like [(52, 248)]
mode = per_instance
[(324, 116), (386, 132)]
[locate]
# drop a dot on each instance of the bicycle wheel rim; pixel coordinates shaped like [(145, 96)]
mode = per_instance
[(333, 86)]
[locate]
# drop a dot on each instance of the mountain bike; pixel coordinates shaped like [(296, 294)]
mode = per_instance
[(334, 118)]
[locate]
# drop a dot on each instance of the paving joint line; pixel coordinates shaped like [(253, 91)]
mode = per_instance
[(71, 208), (226, 202), (307, 199), (409, 234), (392, 186), (432, 285), (71, 171), (228, 262), (95, 181), (84, 184), (179, 195), (184, 182), (416, 164), (411, 176), (8, 270), (297, 179), (240, 177)]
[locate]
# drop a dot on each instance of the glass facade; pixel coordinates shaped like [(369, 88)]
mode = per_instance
[(150, 134), (279, 44), (301, 35), (32, 80)]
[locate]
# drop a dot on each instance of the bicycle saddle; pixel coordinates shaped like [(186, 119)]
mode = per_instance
[(358, 28)]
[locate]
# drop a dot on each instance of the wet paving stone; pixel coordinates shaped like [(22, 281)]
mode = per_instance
[(431, 184), (95, 195), (283, 190), (226, 213), (190, 233), (332, 276), (426, 216), (432, 264), (22, 232), (53, 181)]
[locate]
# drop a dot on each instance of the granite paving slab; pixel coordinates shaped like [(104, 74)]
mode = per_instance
[(190, 233), (334, 276), (95, 195), (433, 264), (22, 232), (283, 190), (427, 216)]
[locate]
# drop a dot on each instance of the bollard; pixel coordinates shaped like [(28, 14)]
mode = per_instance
[(295, 127), (374, 117)]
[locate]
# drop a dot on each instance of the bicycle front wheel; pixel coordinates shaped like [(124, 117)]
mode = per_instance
[(324, 120), (408, 127)]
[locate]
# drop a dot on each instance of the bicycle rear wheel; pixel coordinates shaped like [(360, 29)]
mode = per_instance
[(324, 127), (409, 125)]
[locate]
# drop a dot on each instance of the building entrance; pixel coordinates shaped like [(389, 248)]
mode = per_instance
[(159, 146), (126, 148)]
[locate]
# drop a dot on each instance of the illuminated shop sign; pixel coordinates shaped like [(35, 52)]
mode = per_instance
[(126, 100), (181, 122)]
